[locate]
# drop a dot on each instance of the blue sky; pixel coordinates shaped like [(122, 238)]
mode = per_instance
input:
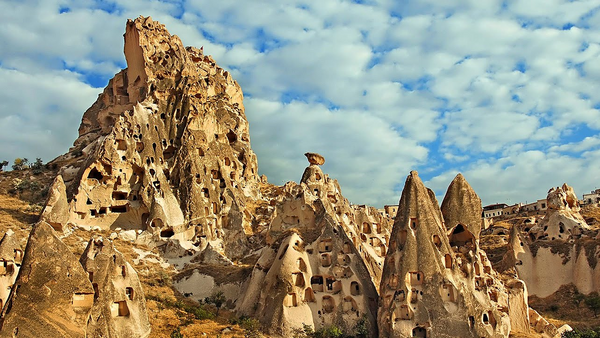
[(506, 92)]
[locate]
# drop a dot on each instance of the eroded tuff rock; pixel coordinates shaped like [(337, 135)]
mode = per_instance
[(119, 308), (559, 249), (56, 210), (11, 257), (164, 155), (314, 158), (52, 296), (323, 261), (563, 220), (461, 205), (438, 283), (165, 148)]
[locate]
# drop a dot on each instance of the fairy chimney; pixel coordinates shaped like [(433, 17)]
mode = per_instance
[(435, 283), (52, 296)]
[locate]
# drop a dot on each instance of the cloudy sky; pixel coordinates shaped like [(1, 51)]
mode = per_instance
[(506, 92)]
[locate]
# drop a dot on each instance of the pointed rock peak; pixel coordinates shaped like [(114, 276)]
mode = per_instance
[(461, 205), (118, 293), (56, 211), (52, 294)]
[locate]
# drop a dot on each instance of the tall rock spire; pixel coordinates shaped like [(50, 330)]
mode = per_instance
[(434, 283), (165, 148)]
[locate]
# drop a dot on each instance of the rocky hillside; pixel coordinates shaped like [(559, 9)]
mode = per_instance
[(156, 223)]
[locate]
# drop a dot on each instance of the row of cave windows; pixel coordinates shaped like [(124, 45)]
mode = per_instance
[(459, 237), (86, 301), (330, 284), (327, 302)]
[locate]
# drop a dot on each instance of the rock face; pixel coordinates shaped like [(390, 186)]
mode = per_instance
[(165, 148), (461, 205), (323, 261), (563, 220), (314, 158), (119, 304), (56, 210), (560, 249), (164, 155), (437, 283), (52, 296), (11, 257)]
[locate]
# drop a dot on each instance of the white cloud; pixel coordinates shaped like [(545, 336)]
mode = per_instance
[(498, 88)]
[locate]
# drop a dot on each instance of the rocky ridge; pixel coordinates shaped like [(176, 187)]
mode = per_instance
[(163, 158)]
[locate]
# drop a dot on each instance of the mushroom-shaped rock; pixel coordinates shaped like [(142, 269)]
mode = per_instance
[(461, 205), (56, 211), (52, 296), (119, 307), (314, 158)]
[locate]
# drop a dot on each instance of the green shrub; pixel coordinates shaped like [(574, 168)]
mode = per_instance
[(176, 333), (38, 166), (582, 334), (593, 302), (217, 299)]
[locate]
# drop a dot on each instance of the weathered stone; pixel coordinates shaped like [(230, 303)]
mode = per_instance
[(56, 210), (436, 283), (52, 296), (119, 304), (461, 205), (11, 257), (314, 158)]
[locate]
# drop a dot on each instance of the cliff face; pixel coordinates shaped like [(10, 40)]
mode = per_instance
[(165, 148)]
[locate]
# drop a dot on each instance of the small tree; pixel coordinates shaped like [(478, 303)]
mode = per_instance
[(593, 302), (217, 299), (2, 165), (20, 164), (37, 166)]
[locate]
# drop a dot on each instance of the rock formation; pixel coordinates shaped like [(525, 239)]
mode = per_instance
[(119, 305), (461, 205), (56, 210), (559, 249), (438, 283), (52, 296), (11, 257), (163, 158), (314, 158), (165, 148), (321, 265), (563, 220)]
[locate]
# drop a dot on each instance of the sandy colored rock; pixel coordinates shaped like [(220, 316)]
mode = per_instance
[(563, 220), (314, 158), (52, 296), (461, 205), (119, 308), (56, 209), (437, 283), (11, 257), (165, 148)]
